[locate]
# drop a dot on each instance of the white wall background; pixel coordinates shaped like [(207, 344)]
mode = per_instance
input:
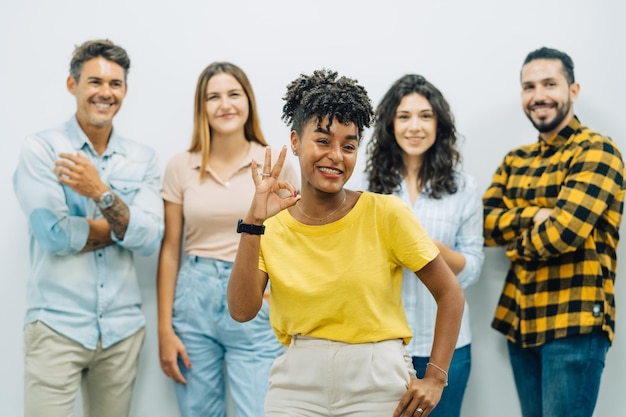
[(471, 50)]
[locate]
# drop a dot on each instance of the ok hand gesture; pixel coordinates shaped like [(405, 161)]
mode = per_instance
[(272, 195)]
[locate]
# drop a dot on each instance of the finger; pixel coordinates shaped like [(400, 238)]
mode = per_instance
[(278, 166), (64, 163), (166, 367), (267, 168), (176, 375), (61, 170), (69, 156), (420, 411), (289, 201), (406, 406), (185, 358), (254, 170), (286, 185)]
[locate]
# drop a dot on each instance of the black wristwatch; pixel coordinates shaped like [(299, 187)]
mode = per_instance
[(251, 229)]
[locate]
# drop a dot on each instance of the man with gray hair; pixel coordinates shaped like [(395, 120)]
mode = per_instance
[(91, 198)]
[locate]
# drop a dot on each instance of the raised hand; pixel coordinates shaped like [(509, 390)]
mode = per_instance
[(268, 199)]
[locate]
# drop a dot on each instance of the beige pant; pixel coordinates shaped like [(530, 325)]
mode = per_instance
[(319, 377), (55, 366)]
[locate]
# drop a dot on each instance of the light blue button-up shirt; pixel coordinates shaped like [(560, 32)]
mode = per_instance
[(94, 295)]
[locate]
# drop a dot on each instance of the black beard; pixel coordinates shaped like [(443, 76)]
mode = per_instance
[(548, 127), (561, 114)]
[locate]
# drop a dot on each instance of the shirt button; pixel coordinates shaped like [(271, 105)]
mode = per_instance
[(596, 310), (100, 255)]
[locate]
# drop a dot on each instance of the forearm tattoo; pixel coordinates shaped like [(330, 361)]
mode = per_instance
[(117, 215), (93, 244)]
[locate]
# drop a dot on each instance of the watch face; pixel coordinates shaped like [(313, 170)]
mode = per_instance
[(106, 200)]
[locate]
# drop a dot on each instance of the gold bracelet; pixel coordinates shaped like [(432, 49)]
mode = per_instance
[(441, 369)]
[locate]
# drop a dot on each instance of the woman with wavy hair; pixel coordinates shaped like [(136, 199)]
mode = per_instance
[(205, 191), (413, 154)]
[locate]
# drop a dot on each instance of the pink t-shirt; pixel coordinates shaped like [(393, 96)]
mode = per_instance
[(211, 208)]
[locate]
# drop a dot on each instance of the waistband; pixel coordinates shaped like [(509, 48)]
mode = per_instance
[(201, 260), (300, 340)]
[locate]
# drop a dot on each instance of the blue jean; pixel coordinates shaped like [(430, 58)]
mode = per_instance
[(560, 378), (458, 375), (219, 348)]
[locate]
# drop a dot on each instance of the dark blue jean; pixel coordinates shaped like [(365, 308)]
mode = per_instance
[(560, 378), (458, 374)]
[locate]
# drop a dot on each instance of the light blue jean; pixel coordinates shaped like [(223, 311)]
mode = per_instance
[(560, 378), (458, 375), (220, 349)]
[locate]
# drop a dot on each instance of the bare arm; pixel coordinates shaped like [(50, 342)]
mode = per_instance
[(247, 283), (99, 235), (117, 215), (78, 173), (450, 304), (455, 260), (170, 345), (441, 282)]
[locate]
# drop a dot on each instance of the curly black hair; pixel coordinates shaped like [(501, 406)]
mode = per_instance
[(385, 167), (322, 94)]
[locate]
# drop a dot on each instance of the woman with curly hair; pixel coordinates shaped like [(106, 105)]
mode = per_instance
[(334, 258), (205, 190), (413, 154)]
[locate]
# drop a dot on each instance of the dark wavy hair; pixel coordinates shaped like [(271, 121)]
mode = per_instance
[(322, 94), (385, 166)]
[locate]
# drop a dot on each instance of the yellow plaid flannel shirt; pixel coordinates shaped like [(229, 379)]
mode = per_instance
[(560, 282)]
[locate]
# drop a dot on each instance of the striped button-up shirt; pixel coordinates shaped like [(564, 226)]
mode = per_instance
[(456, 220), (560, 282)]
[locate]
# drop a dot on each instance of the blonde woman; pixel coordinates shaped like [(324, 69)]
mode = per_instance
[(205, 190)]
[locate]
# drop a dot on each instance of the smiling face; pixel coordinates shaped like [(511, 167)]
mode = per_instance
[(327, 155), (547, 98), (99, 92), (415, 126), (227, 106)]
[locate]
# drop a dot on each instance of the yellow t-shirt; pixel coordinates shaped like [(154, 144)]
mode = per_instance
[(342, 281)]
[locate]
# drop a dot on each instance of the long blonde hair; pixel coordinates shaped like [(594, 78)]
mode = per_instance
[(201, 137)]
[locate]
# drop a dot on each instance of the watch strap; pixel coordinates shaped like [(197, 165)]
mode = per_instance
[(251, 229)]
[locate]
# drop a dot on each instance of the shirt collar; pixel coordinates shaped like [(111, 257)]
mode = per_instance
[(196, 157), (573, 127), (80, 141)]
